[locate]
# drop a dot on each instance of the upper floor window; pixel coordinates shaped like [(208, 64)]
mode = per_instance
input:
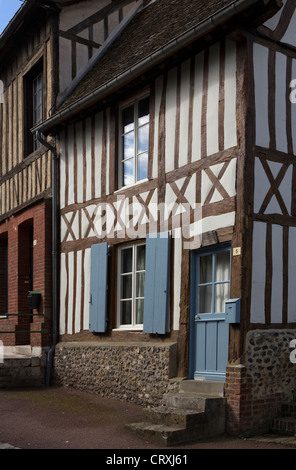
[(134, 142), (34, 105)]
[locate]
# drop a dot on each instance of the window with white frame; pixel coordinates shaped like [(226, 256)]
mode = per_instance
[(134, 142), (131, 286)]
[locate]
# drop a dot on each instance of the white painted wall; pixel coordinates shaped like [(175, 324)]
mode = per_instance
[(81, 259)]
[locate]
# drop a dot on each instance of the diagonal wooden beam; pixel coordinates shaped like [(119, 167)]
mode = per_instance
[(69, 226), (216, 183), (274, 187), (212, 190)]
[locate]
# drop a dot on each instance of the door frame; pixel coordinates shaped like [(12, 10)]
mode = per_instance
[(193, 302)]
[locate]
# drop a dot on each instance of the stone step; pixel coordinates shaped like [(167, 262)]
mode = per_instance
[(159, 433), (184, 401), (190, 401), (208, 388), (174, 416)]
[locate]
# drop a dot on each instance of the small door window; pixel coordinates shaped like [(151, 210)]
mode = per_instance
[(213, 281)]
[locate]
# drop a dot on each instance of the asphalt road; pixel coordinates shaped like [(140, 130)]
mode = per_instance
[(58, 418)]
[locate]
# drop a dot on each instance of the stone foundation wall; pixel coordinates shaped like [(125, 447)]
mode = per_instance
[(137, 372), (23, 366), (268, 362), (256, 390)]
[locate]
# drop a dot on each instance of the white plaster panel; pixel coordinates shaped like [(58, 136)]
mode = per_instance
[(206, 185), (261, 94), (292, 275), (69, 328), (177, 277), (184, 113), (61, 144), (197, 107), (171, 101), (63, 290), (98, 153), (215, 222), (65, 74), (289, 36), (86, 288), (63, 229), (107, 150), (280, 103), (77, 324), (230, 137), (285, 188), (81, 57), (258, 273), (228, 180), (80, 169), (277, 274), (70, 187), (88, 169), (272, 23), (158, 95), (213, 100), (190, 193), (293, 118)]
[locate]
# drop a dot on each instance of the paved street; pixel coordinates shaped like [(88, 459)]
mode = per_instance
[(57, 418)]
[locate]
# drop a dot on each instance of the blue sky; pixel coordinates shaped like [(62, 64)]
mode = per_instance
[(7, 10)]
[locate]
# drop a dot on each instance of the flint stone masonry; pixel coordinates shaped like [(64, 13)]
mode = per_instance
[(136, 372), (268, 362)]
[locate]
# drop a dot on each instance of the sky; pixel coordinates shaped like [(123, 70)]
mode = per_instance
[(7, 10)]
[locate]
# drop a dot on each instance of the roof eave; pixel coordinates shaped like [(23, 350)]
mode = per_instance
[(200, 30)]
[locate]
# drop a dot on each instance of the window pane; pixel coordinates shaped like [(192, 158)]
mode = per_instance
[(205, 269), (128, 119), (142, 166), (222, 293), (143, 111), (140, 285), (143, 138), (126, 312), (128, 172), (205, 299), (126, 286), (128, 145), (141, 253), (127, 260), (139, 311), (223, 266)]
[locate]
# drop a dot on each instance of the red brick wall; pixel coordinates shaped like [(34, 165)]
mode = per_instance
[(246, 413), (17, 229)]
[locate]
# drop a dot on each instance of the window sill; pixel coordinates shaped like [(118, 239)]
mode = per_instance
[(129, 328), (130, 186), (3, 316)]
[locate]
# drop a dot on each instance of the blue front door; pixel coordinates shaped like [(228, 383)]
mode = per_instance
[(209, 334)]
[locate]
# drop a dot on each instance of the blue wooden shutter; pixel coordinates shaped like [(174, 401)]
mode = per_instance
[(156, 302), (98, 288)]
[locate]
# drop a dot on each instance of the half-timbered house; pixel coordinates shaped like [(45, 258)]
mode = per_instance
[(177, 208), (44, 50)]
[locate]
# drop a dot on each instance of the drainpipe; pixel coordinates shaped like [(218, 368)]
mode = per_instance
[(54, 257)]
